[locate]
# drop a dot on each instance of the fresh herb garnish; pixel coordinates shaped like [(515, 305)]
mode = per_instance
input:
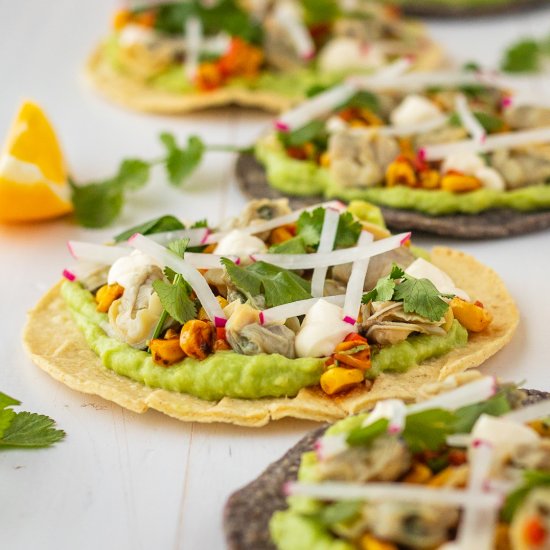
[(531, 480), (25, 429), (526, 56), (466, 417), (278, 285), (338, 512), (295, 245), (362, 100), (175, 296), (313, 132), (365, 435), (310, 225), (418, 295), (98, 204), (490, 123), (428, 430), (157, 225)]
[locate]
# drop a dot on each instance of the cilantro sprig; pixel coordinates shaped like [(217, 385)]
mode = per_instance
[(175, 295), (526, 56), (532, 479), (25, 429), (418, 295), (99, 203)]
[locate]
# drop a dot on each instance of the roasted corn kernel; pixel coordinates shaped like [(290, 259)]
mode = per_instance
[(472, 317), (401, 172), (459, 183), (369, 542), (166, 352), (106, 295), (338, 379), (197, 339)]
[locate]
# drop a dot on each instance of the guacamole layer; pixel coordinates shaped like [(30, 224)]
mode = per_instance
[(229, 374), (303, 178)]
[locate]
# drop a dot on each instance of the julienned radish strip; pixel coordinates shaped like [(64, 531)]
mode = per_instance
[(294, 309), (288, 17), (330, 99), (337, 257), (471, 393), (525, 99), (193, 40), (81, 270), (190, 274), (394, 492), (316, 107), (354, 290), (97, 253), (477, 526), (406, 130), (468, 120), (531, 412), (326, 244), (492, 143), (267, 225), (197, 236)]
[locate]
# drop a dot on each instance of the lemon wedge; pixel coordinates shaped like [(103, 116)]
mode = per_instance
[(33, 176)]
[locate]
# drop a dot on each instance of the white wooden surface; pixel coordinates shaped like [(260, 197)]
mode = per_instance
[(126, 481)]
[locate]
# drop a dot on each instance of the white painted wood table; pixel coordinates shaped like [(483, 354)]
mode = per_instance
[(121, 480)]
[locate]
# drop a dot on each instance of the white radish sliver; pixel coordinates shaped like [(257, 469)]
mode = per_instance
[(406, 130), (468, 120), (276, 222), (492, 143), (337, 257), (190, 274), (316, 107), (287, 15), (459, 440), (326, 244), (471, 393), (354, 290), (193, 40), (294, 309), (393, 492), (96, 253), (197, 236)]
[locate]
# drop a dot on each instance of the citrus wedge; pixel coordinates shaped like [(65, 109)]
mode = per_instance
[(33, 177)]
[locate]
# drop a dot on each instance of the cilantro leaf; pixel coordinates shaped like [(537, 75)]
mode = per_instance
[(428, 430), (175, 299), (385, 287), (522, 57), (490, 123), (531, 480), (133, 174), (362, 100), (31, 430), (365, 435), (396, 272), (296, 245), (7, 401), (420, 296), (180, 163), (6, 418), (467, 416), (310, 225), (97, 204), (157, 225), (278, 285), (179, 247), (339, 512), (312, 132)]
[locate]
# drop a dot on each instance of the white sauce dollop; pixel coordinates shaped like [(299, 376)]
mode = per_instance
[(123, 270), (240, 243), (413, 110)]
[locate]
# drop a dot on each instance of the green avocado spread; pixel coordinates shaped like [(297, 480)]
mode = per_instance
[(296, 177), (229, 374)]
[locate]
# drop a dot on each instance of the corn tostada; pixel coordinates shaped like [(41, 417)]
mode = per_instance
[(312, 314), (465, 467), (468, 8), (452, 153), (175, 57)]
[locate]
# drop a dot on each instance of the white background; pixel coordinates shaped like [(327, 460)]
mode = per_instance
[(127, 481)]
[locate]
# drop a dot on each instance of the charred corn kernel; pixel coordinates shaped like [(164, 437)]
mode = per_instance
[(106, 295), (166, 352), (221, 345), (197, 339), (210, 249), (471, 316), (542, 427), (401, 172), (202, 312), (368, 542), (209, 76), (419, 474), (459, 183), (370, 118), (406, 147), (429, 179), (502, 536), (449, 318), (338, 379), (447, 477), (172, 333), (145, 19), (280, 235), (324, 160), (120, 19), (309, 149)]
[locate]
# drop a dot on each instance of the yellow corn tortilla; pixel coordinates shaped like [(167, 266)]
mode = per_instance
[(56, 345), (134, 94)]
